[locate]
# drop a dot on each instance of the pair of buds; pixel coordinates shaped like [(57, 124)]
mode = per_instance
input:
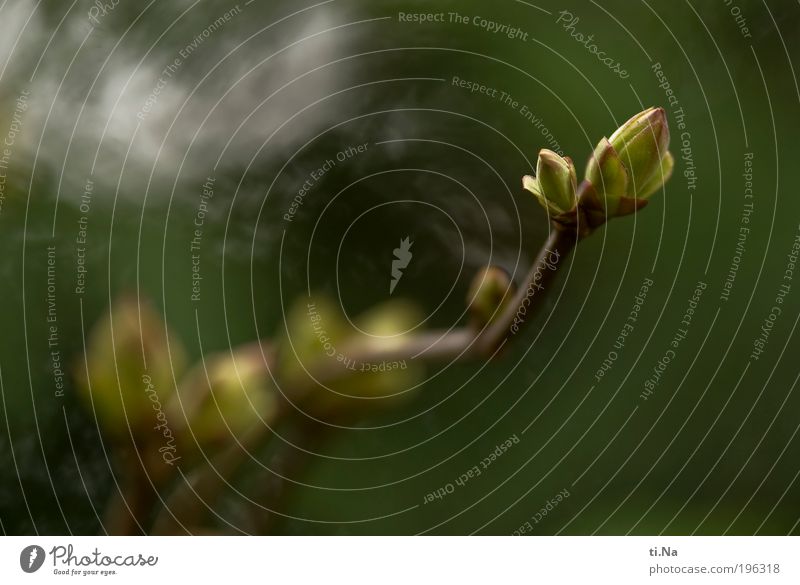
[(622, 173), (136, 381)]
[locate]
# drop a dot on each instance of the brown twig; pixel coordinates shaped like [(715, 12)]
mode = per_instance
[(539, 279)]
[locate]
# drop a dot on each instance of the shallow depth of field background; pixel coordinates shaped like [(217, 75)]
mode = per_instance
[(714, 449)]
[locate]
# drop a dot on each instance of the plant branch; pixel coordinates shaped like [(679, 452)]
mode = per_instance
[(189, 503), (465, 341), (521, 308)]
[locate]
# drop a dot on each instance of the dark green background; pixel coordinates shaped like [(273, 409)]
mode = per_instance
[(714, 450)]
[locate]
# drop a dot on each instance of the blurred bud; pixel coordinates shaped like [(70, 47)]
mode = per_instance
[(132, 362), (373, 384), (224, 396), (555, 183), (388, 322), (332, 370), (633, 163), (315, 327), (491, 288)]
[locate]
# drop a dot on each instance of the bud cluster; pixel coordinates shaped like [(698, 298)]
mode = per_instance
[(623, 172)]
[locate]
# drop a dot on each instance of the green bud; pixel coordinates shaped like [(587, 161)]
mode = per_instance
[(555, 183), (627, 168), (224, 396), (660, 177), (491, 288), (642, 143), (132, 362), (608, 175)]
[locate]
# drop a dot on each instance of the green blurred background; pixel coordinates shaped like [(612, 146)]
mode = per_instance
[(283, 86)]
